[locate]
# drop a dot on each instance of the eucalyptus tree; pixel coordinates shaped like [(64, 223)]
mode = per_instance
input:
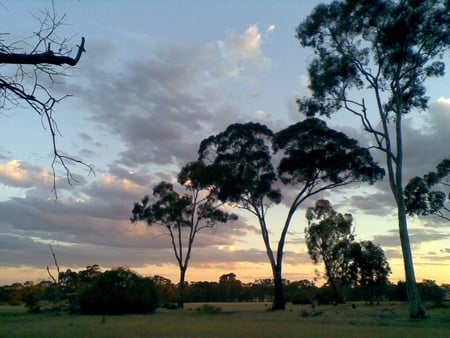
[(311, 158), (388, 48), (373, 268), (330, 238), (183, 215), (420, 197)]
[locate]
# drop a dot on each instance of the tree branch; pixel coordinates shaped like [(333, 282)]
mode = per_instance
[(47, 57)]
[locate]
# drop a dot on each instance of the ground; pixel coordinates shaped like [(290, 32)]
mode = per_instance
[(234, 320)]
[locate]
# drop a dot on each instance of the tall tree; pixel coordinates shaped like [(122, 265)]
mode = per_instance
[(183, 215), (26, 78), (420, 197), (391, 48), (329, 238), (313, 158)]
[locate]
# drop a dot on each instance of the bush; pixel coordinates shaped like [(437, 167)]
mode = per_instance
[(119, 291), (206, 308), (303, 298), (324, 295)]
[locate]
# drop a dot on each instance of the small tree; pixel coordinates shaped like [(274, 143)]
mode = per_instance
[(373, 269), (390, 48), (422, 200), (329, 239), (183, 215), (314, 158)]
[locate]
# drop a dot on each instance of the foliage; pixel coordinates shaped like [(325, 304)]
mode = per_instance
[(431, 292), (194, 210), (389, 49), (372, 268), (119, 291), (311, 158), (31, 297), (421, 200), (329, 239), (304, 292)]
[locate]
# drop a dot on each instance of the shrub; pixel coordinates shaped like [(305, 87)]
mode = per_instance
[(302, 298), (206, 308), (119, 291)]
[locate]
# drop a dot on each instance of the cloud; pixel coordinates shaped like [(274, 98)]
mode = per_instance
[(161, 105), (416, 236), (21, 174), (243, 51)]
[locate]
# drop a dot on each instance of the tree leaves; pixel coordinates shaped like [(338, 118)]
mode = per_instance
[(313, 152), (421, 200)]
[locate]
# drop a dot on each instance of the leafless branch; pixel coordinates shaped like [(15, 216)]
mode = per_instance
[(25, 87)]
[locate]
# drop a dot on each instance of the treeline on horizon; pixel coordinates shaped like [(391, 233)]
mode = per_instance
[(121, 290)]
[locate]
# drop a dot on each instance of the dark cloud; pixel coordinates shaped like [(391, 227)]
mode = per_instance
[(416, 236), (371, 203)]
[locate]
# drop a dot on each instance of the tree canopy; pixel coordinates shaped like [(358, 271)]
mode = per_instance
[(387, 49), (329, 238), (183, 214), (310, 158), (420, 197)]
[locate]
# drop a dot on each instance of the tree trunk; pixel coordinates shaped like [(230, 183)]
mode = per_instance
[(416, 307), (181, 288), (278, 297)]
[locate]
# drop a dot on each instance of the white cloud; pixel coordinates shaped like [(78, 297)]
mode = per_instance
[(261, 115), (242, 52)]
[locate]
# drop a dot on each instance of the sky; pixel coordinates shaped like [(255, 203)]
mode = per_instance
[(156, 79)]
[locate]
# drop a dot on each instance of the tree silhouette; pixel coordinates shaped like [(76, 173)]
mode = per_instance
[(329, 238), (183, 215), (373, 268), (313, 158), (422, 200), (389, 48)]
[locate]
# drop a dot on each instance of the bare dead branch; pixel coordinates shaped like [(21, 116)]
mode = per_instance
[(25, 88), (47, 57)]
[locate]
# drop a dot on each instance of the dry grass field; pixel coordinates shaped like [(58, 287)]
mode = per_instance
[(233, 320)]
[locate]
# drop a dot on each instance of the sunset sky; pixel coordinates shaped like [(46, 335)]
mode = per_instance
[(157, 78)]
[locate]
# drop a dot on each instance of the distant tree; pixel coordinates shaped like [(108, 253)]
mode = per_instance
[(71, 284), (431, 292), (313, 158), (203, 292), (230, 287), (389, 48), (167, 290), (373, 269), (32, 295), (183, 215), (329, 238), (28, 74), (303, 291), (421, 200)]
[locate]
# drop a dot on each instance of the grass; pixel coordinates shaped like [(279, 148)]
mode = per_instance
[(233, 320)]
